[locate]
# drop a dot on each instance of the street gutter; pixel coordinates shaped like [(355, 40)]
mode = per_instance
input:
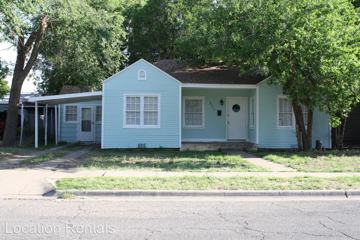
[(166, 193)]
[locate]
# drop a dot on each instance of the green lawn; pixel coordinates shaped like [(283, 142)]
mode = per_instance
[(167, 160), (328, 161), (208, 183)]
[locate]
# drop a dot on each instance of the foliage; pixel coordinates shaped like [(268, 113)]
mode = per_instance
[(153, 29), (84, 45), (4, 88)]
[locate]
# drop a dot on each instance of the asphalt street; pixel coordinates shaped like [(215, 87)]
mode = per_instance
[(180, 218)]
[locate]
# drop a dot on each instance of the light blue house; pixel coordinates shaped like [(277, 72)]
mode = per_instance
[(158, 107)]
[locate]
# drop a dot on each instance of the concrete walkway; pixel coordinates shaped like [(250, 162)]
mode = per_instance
[(16, 160), (260, 162)]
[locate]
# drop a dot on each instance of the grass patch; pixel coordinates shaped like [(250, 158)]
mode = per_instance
[(315, 161), (167, 160), (208, 183)]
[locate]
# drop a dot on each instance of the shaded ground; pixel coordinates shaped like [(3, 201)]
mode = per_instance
[(315, 161), (167, 160)]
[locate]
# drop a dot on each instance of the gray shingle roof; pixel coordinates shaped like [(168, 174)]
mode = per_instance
[(207, 75)]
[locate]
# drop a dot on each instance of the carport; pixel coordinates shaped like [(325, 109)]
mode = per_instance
[(55, 101)]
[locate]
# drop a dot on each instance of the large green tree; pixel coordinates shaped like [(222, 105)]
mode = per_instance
[(83, 46), (23, 23), (68, 34), (310, 48), (155, 27)]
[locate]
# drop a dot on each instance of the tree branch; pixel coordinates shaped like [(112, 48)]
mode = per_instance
[(37, 41)]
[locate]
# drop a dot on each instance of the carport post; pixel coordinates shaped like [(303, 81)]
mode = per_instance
[(56, 124), (46, 124), (36, 125), (22, 123)]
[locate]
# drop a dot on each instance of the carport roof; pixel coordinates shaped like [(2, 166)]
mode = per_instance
[(67, 98)]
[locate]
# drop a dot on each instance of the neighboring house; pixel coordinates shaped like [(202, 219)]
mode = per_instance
[(26, 114), (144, 106)]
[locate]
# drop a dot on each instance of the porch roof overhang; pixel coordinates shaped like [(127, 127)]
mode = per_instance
[(67, 98), (219, 86)]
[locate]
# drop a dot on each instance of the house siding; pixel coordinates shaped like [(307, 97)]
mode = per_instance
[(69, 131), (272, 136), (126, 82), (215, 127)]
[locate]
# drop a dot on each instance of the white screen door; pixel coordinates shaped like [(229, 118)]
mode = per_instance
[(237, 118), (86, 124)]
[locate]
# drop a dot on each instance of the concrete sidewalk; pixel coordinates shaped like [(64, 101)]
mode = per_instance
[(260, 162)]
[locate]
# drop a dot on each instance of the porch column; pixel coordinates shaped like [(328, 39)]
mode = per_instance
[(56, 125), (22, 123), (36, 125), (257, 114), (59, 122), (46, 125)]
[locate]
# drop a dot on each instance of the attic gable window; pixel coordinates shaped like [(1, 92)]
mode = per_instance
[(141, 75)]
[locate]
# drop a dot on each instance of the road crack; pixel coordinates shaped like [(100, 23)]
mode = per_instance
[(338, 231)]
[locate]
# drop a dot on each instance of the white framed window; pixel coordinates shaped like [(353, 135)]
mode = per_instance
[(285, 112), (193, 112), (70, 113), (141, 74), (141, 111), (252, 112), (98, 110)]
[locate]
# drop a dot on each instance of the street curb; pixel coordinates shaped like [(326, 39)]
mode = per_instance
[(250, 193)]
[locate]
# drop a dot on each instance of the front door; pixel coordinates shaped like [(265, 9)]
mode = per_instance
[(237, 118), (86, 124)]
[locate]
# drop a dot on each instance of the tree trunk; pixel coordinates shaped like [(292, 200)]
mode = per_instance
[(9, 138), (303, 134), (21, 71), (338, 135)]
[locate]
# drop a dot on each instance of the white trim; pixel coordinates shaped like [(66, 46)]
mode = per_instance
[(180, 116), (77, 113), (60, 106), (46, 125), (202, 98), (252, 110), (56, 124), (204, 140), (134, 64), (102, 117), (36, 125), (65, 96), (141, 95), (218, 86), (141, 78), (278, 112), (257, 114)]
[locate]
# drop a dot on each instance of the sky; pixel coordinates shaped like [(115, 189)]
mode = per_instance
[(8, 55)]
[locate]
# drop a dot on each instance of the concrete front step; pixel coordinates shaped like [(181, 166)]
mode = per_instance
[(217, 146)]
